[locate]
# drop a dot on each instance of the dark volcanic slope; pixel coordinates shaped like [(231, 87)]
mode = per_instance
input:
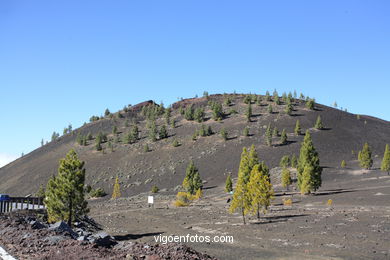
[(165, 165)]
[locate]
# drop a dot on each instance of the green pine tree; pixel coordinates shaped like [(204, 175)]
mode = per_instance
[(248, 112), (365, 157), (286, 178), (268, 135), (199, 115), (65, 192), (294, 161), (229, 183), (241, 200), (224, 134), (163, 132), (283, 137), (309, 161), (246, 131), (192, 181), (343, 164), (385, 165), (260, 191), (319, 124), (270, 109), (297, 129)]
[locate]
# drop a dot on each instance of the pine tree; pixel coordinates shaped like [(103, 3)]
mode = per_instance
[(275, 132), (285, 161), (241, 200), (146, 148), (163, 132), (248, 99), (268, 135), (385, 165), (270, 109), (267, 96), (217, 111), (365, 157), (310, 104), (192, 181), (283, 137), (229, 183), (297, 129), (253, 158), (224, 134), (248, 113), (343, 164), (167, 115), (199, 115), (319, 124), (286, 178), (289, 109), (107, 112), (153, 131), (114, 130), (294, 161), (189, 113), (116, 193), (65, 192), (309, 161), (246, 131), (260, 191), (98, 143)]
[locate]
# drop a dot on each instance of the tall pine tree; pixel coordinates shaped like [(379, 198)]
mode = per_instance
[(65, 192), (309, 161), (365, 157)]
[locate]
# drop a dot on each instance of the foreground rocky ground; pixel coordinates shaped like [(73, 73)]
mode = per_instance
[(25, 236), (355, 226)]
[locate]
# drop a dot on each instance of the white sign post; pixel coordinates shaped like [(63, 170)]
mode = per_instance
[(150, 201)]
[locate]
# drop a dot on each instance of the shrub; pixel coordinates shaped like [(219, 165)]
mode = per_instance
[(287, 202), (155, 189), (97, 193), (175, 143), (146, 148), (199, 115), (343, 164)]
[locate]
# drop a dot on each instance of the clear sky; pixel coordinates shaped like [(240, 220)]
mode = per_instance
[(63, 61)]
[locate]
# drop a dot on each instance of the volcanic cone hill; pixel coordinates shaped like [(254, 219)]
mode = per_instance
[(164, 165)]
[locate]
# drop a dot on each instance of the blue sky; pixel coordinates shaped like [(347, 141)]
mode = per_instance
[(63, 61)]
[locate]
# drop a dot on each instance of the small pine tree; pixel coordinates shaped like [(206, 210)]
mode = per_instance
[(163, 132), (289, 109), (116, 193), (319, 124), (343, 164), (189, 113), (248, 113), (114, 130), (286, 178), (153, 131), (285, 161), (107, 112), (297, 129), (246, 131), (146, 148), (283, 137), (365, 157), (98, 145), (294, 161), (229, 183), (310, 104), (199, 115), (267, 96), (275, 132), (224, 134), (385, 165), (248, 99), (268, 135), (270, 109)]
